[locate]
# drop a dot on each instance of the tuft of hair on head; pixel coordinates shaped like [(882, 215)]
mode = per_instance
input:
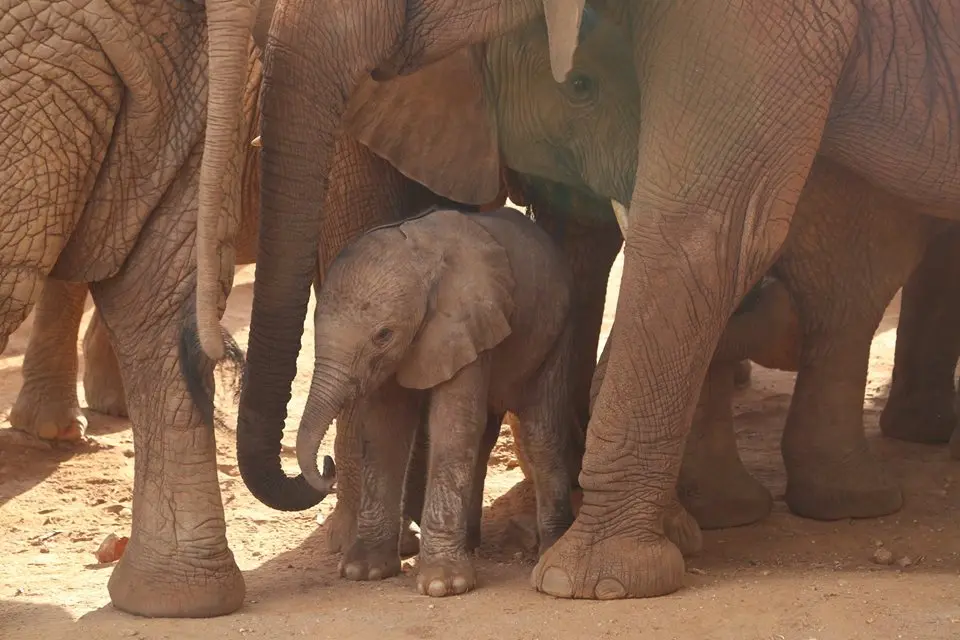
[(194, 364)]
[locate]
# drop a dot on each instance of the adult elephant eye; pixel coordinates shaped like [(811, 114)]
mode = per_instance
[(383, 336), (583, 88)]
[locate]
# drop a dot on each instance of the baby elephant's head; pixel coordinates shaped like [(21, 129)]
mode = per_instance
[(419, 299)]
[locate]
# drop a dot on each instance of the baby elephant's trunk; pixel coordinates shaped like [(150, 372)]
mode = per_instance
[(330, 390)]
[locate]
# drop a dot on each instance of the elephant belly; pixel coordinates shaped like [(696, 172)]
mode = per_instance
[(896, 116)]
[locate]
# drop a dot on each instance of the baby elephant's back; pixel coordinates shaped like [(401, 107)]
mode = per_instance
[(543, 283)]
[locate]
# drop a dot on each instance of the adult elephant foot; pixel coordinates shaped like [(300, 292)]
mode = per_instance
[(680, 528), (363, 562), (926, 416), (47, 405), (731, 497), (439, 577), (834, 485), (195, 583), (102, 384), (581, 565)]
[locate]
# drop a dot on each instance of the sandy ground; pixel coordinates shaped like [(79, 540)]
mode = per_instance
[(784, 579)]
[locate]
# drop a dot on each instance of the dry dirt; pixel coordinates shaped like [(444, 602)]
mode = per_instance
[(784, 579)]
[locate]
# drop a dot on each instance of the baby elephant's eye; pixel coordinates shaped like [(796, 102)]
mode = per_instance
[(383, 336)]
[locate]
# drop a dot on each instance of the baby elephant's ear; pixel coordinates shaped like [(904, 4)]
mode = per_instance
[(471, 302)]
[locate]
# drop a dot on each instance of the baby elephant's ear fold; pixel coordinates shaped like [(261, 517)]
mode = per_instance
[(471, 303)]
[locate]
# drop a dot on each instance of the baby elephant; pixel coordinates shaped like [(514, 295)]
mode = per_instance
[(447, 317)]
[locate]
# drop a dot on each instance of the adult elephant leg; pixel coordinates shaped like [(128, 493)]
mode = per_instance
[(868, 242), (177, 563), (923, 391), (679, 527), (714, 486), (47, 405), (585, 230), (723, 155), (102, 383)]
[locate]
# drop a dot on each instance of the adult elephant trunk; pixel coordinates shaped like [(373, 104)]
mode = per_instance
[(307, 80), (316, 54)]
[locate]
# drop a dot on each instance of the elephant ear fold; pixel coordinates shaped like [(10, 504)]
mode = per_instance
[(563, 32), (434, 126), (471, 302)]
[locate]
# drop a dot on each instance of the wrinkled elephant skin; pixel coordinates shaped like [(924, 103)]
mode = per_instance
[(108, 106), (710, 210)]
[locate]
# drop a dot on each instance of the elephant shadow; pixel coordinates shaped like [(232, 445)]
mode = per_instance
[(20, 618), (505, 543)]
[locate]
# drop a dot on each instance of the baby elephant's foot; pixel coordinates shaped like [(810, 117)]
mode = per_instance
[(362, 562), (445, 576)]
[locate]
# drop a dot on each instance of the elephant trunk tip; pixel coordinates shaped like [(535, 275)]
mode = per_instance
[(325, 480)]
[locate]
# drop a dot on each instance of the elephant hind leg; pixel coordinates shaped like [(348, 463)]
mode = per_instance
[(714, 486), (920, 407), (47, 405), (102, 385)]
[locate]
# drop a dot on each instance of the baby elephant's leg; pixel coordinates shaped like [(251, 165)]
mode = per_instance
[(475, 514), (545, 434), (385, 423), (389, 417), (456, 421), (47, 405)]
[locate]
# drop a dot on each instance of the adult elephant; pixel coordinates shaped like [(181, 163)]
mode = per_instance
[(712, 189), (100, 150)]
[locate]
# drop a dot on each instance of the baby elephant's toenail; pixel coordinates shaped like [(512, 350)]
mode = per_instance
[(437, 589), (460, 585), (353, 572)]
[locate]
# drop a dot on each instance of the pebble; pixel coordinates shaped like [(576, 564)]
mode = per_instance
[(882, 556)]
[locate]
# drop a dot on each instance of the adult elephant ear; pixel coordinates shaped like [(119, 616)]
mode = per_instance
[(434, 126), (563, 32)]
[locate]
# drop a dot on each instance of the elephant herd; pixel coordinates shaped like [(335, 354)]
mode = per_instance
[(773, 171)]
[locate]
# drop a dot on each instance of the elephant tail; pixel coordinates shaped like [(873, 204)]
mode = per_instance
[(194, 365)]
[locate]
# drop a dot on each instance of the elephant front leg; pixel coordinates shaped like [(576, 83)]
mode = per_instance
[(47, 405), (920, 407), (456, 421), (341, 525), (390, 417), (714, 486)]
